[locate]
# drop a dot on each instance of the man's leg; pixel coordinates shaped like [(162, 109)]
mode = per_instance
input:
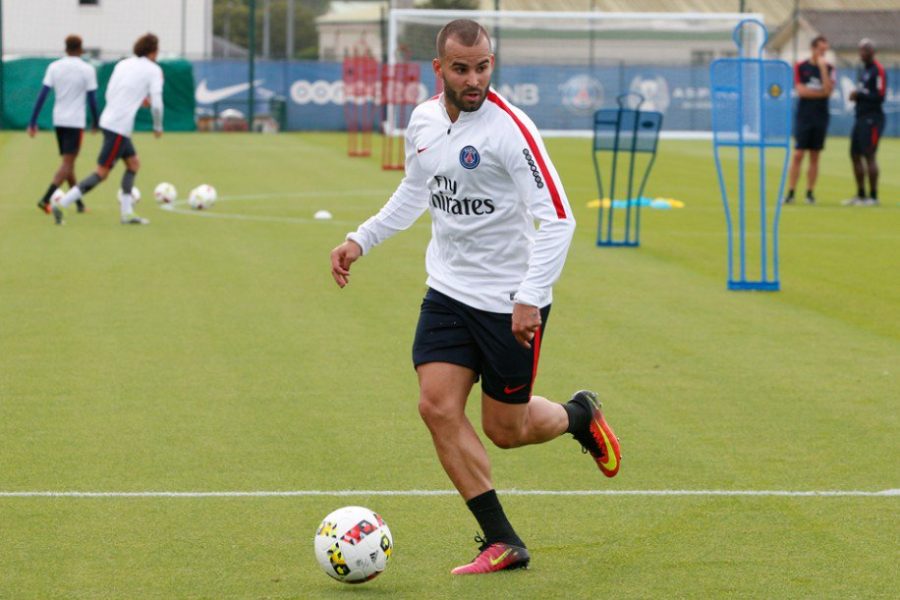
[(859, 173), (514, 425), (812, 174), (126, 201), (75, 194), (872, 170), (794, 173), (443, 391)]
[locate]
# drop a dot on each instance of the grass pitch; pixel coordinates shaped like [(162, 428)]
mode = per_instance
[(213, 352)]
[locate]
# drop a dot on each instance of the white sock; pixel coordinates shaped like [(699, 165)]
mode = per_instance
[(125, 202), (71, 196)]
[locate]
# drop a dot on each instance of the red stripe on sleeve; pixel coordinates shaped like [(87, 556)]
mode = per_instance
[(538, 157), (797, 72), (882, 80)]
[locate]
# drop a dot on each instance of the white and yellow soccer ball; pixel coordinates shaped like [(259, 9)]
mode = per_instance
[(202, 197), (135, 195), (353, 544), (165, 193)]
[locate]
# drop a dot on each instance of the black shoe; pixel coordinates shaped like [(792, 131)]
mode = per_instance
[(58, 215), (810, 199), (789, 199), (81, 207), (44, 206)]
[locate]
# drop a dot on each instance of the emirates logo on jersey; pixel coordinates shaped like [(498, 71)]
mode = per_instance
[(469, 157)]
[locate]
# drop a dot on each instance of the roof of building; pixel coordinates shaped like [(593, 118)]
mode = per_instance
[(844, 29)]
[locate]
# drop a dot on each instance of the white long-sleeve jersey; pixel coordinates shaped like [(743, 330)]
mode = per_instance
[(487, 180)]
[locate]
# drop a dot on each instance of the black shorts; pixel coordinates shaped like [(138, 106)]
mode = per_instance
[(69, 139), (866, 132), (115, 146), (810, 134), (452, 332)]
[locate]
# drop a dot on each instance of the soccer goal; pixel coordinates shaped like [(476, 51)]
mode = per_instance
[(560, 67)]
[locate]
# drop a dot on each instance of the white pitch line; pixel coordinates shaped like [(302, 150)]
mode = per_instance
[(513, 492)]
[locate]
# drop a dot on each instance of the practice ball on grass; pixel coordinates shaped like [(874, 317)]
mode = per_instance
[(135, 195), (202, 197), (165, 193), (353, 544), (322, 215)]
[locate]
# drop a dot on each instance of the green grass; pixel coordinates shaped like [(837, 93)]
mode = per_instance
[(213, 352)]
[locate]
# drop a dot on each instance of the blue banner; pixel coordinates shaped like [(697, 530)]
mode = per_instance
[(555, 97)]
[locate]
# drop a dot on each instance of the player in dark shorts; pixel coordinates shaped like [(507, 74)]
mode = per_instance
[(813, 81), (871, 87), (73, 81)]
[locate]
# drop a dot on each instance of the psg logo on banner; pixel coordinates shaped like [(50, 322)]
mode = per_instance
[(469, 157)]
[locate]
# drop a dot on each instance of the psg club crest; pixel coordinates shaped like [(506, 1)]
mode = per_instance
[(469, 157)]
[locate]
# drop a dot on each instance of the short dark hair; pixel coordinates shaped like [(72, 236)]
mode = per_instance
[(815, 41), (146, 44), (73, 44), (467, 31)]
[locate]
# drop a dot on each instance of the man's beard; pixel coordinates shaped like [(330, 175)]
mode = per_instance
[(461, 104)]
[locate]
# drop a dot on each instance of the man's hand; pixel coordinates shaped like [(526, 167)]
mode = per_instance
[(341, 259), (526, 320), (854, 95), (32, 131)]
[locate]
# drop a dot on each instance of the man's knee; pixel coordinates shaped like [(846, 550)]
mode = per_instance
[(504, 435), (437, 411)]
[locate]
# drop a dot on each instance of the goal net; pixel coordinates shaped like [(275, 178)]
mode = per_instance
[(561, 67)]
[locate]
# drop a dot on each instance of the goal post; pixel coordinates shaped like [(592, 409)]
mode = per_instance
[(560, 67)]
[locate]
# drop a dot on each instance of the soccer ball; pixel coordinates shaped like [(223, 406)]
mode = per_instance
[(202, 196), (353, 544), (135, 195), (56, 196), (165, 193)]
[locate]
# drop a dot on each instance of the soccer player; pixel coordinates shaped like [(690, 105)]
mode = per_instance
[(132, 81), (814, 80), (479, 165), (72, 79), (871, 86)]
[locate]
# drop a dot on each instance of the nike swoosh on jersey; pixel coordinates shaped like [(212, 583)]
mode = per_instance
[(496, 561), (513, 390), (421, 150), (204, 95)]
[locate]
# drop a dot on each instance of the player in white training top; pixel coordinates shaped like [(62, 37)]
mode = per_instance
[(72, 80), (133, 81), (479, 166)]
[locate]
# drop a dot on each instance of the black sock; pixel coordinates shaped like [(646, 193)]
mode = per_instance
[(492, 520), (809, 193), (579, 416), (874, 194), (790, 193), (860, 192), (48, 193)]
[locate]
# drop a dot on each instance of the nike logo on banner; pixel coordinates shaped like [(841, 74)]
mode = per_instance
[(508, 390), (496, 561), (204, 95)]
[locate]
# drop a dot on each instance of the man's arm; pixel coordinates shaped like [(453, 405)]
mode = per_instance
[(807, 92), (538, 185), (42, 97)]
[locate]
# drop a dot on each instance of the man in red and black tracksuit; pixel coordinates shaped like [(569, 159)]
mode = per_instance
[(871, 87), (813, 81)]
